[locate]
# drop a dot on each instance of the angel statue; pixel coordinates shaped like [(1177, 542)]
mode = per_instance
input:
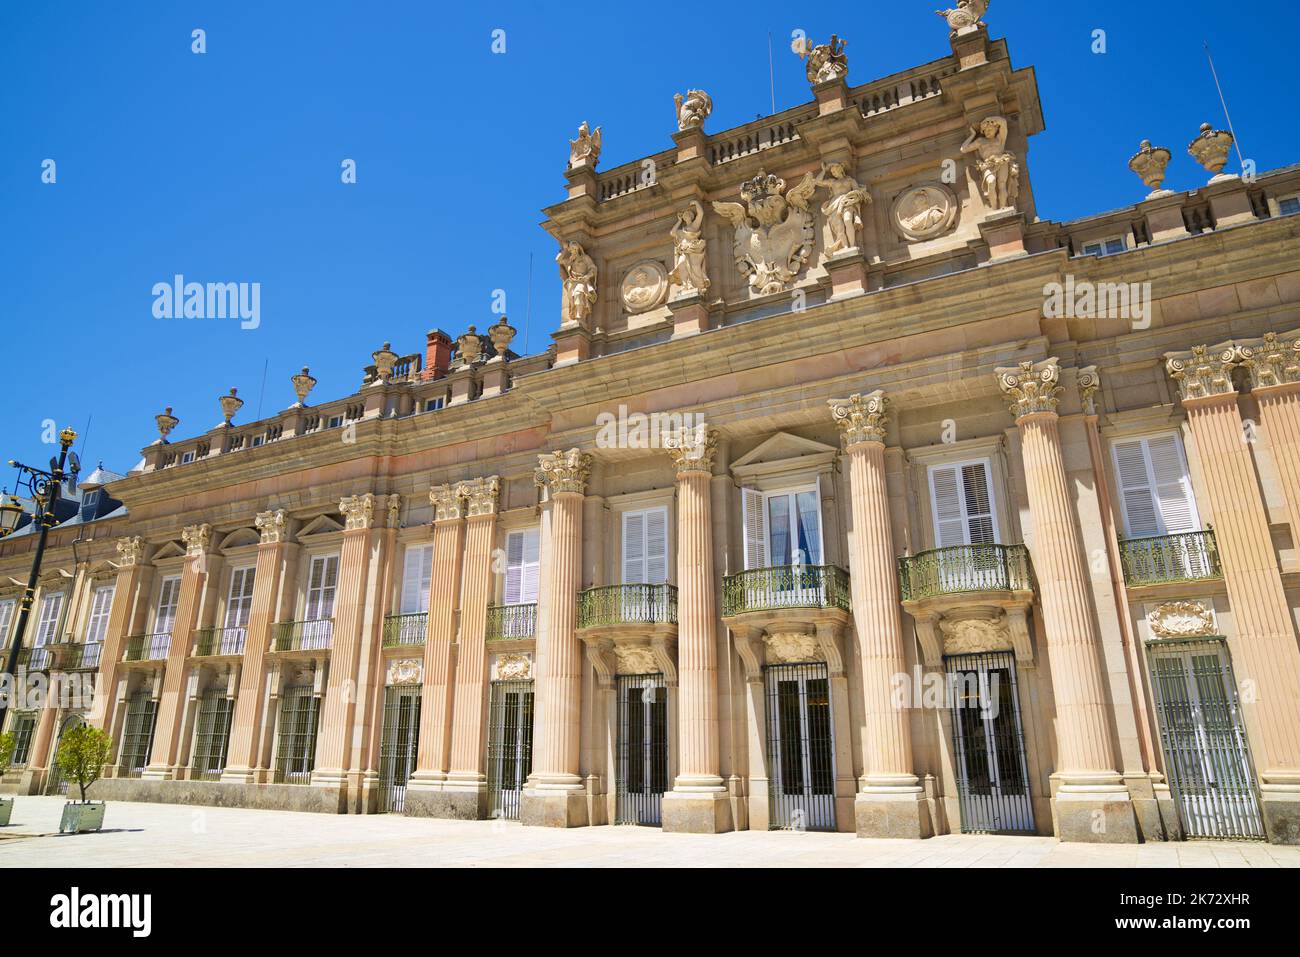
[(689, 271), (774, 230), (578, 273), (966, 16), (998, 169), (825, 62), (585, 150), (843, 209), (692, 109)]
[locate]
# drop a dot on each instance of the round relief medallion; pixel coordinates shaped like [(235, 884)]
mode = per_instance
[(645, 286), (924, 212)]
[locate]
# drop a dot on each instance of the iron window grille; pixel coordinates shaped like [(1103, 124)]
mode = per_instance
[(212, 734), (137, 734), (295, 750)]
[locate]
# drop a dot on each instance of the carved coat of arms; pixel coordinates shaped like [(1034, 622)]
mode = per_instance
[(774, 230)]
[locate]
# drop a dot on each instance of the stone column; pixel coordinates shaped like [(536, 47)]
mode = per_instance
[(890, 802), (555, 796), (243, 753), (467, 780), (1092, 802), (436, 704), (1263, 647), (194, 579), (699, 802), (133, 579), (1274, 367)]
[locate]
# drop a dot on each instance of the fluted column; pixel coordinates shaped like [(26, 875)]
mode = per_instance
[(338, 710), (890, 800), (467, 779), (199, 564), (436, 703), (133, 577), (242, 755), (1263, 644), (699, 802), (554, 796), (1092, 802), (1274, 367)]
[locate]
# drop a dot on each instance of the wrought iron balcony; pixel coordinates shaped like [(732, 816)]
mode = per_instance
[(1186, 557), (405, 629), (33, 659), (311, 635), (627, 605), (148, 647), (213, 642), (785, 586), (81, 657), (511, 622), (964, 568)]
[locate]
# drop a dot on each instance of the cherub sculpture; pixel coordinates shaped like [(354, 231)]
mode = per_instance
[(999, 171), (586, 148), (966, 16), (692, 109), (689, 270), (825, 62), (578, 274), (843, 209), (774, 230)]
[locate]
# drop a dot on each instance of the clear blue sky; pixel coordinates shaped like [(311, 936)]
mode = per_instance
[(225, 166)]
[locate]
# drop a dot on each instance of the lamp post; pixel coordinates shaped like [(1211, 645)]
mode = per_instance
[(45, 488)]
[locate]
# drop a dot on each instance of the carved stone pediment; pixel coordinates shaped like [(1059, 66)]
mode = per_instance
[(792, 648), (964, 636), (1182, 619)]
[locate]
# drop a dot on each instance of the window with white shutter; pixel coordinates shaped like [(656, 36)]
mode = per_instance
[(417, 576), (782, 527), (755, 528), (169, 593), (100, 605), (47, 623), (1155, 490), (961, 495), (6, 620), (523, 566), (321, 584), (645, 547), (239, 605)]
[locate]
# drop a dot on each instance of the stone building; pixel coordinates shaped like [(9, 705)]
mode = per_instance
[(851, 495)]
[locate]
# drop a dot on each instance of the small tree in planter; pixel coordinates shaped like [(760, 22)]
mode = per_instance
[(83, 752), (6, 756)]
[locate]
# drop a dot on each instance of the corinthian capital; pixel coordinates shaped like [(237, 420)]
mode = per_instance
[(563, 471), (480, 495), (1274, 360), (130, 550), (358, 511), (272, 526), (692, 448), (447, 502), (1031, 386), (1204, 371), (196, 539), (861, 418), (1089, 382)]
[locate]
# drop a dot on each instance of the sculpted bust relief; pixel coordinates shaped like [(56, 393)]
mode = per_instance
[(924, 212), (645, 286)]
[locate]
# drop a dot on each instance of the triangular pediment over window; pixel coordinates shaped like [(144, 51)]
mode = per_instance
[(169, 550), (784, 454), (321, 525)]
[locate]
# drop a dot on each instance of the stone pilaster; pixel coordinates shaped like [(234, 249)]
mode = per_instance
[(1263, 645), (555, 795), (1092, 801), (199, 564), (1273, 364), (699, 802), (133, 578), (890, 800)]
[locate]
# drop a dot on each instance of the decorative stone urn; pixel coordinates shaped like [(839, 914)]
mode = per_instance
[(502, 334), (1210, 148), (303, 383), (384, 360), (469, 348), (79, 817), (165, 422), (1149, 163), (230, 404)]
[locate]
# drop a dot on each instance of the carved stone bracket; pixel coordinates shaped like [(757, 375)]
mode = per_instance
[(1089, 381), (971, 629)]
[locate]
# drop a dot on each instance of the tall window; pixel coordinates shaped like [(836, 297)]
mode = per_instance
[(1154, 487), (417, 576), (6, 620), (212, 734), (47, 623), (645, 547), (782, 528), (239, 604), (523, 566), (97, 623), (137, 734), (23, 727), (169, 594), (295, 749), (321, 585), (961, 496)]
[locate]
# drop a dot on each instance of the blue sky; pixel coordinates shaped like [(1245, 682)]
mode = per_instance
[(225, 166)]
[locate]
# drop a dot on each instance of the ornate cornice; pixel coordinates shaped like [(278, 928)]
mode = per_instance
[(196, 539), (693, 448), (861, 418), (358, 511), (447, 503), (130, 550), (563, 471), (480, 495), (1203, 372), (273, 526), (1273, 360), (1031, 387), (1089, 380)]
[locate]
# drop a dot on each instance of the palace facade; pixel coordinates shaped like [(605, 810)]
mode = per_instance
[(851, 495)]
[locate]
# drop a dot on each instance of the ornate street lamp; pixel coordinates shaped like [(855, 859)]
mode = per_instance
[(45, 489)]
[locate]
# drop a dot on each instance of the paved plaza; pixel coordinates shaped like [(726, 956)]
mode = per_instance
[(152, 835)]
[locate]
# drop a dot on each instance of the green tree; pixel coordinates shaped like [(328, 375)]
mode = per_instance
[(7, 743), (83, 752)]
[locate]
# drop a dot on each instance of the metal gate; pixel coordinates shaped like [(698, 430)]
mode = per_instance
[(295, 749), (399, 745), (1207, 758), (642, 749), (510, 746), (137, 734), (992, 775), (800, 748)]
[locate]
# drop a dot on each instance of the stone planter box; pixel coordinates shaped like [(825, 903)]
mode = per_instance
[(6, 809), (78, 817)]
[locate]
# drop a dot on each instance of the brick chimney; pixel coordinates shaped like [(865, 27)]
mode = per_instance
[(437, 355)]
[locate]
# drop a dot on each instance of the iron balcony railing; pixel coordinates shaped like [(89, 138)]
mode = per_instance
[(406, 629), (511, 622), (148, 647), (303, 635), (34, 659), (964, 568), (1185, 557), (83, 657), (627, 604), (211, 642), (786, 586)]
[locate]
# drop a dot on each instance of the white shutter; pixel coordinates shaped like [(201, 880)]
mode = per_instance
[(239, 604), (168, 596), (977, 500), (417, 574), (755, 515), (321, 585), (656, 546), (97, 624), (1140, 520), (48, 624), (1172, 485), (532, 566), (6, 619), (523, 566), (634, 548), (949, 526)]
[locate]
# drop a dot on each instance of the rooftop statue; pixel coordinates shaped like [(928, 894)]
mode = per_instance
[(999, 171), (843, 209), (689, 270), (578, 273), (1149, 163), (585, 150), (692, 109), (826, 62), (966, 16), (774, 230)]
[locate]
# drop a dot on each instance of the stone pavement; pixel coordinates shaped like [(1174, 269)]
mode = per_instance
[(153, 835)]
